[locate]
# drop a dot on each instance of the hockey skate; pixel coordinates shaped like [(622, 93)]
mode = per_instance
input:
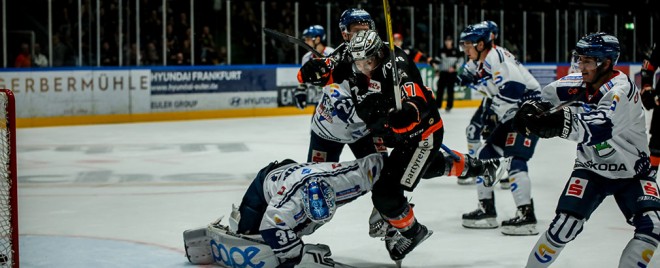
[(398, 246), (466, 181), (484, 217), (524, 223)]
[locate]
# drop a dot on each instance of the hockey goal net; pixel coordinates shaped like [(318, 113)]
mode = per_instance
[(8, 182)]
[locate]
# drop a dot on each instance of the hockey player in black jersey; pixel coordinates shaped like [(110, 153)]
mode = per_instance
[(415, 132), (651, 101)]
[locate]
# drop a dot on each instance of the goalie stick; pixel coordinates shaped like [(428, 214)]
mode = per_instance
[(390, 39), (282, 37)]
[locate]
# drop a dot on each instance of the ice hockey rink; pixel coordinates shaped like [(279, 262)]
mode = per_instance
[(121, 195)]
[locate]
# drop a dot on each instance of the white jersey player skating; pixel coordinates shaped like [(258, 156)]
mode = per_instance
[(599, 108), (506, 83)]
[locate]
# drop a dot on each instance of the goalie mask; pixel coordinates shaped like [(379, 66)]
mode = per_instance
[(365, 48), (318, 200)]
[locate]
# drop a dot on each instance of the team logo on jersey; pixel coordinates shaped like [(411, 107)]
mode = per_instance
[(380, 145), (576, 187), (281, 191), (650, 188), (604, 149), (615, 100), (527, 142), (374, 85), (278, 221), (305, 171), (511, 139), (336, 165)]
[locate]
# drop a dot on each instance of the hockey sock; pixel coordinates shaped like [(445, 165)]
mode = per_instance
[(639, 251), (405, 222), (483, 192), (521, 188), (544, 252)]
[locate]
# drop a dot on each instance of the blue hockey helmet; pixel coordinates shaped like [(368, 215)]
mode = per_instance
[(318, 200), (600, 46), (475, 33), (493, 27), (355, 15), (315, 31)]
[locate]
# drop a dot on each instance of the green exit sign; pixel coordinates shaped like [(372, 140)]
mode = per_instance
[(630, 26)]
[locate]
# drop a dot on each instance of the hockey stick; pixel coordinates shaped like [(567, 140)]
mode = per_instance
[(450, 152), (567, 103), (290, 39), (395, 72)]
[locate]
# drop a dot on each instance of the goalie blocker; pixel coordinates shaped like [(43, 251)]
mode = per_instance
[(216, 244)]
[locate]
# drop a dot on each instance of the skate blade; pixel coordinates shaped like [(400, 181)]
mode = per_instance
[(528, 229), (398, 263), (488, 223), (467, 181)]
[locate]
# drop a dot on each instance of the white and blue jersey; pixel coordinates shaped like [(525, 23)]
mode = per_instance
[(335, 118), (608, 125), (505, 81), (284, 220)]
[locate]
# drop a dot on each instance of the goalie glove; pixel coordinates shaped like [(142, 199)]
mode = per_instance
[(300, 96), (649, 98), (316, 71), (531, 118)]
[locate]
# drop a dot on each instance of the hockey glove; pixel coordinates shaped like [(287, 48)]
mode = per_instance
[(316, 71), (403, 120), (649, 99), (300, 96), (532, 119), (373, 111)]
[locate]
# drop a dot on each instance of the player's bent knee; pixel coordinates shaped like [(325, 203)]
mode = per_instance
[(564, 228)]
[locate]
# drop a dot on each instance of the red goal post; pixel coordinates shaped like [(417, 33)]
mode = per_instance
[(8, 182)]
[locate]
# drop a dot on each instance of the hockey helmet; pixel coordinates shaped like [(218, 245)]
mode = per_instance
[(318, 200), (355, 15), (493, 27), (315, 31), (365, 44), (599, 46), (475, 33)]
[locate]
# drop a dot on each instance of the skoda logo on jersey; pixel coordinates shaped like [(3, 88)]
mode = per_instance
[(235, 257)]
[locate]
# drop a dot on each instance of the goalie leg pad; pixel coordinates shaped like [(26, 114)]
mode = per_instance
[(233, 250), (197, 245)]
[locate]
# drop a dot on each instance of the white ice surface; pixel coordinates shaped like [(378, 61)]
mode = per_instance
[(121, 195)]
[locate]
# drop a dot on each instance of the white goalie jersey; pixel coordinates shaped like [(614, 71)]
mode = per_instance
[(285, 221), (335, 118), (609, 125)]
